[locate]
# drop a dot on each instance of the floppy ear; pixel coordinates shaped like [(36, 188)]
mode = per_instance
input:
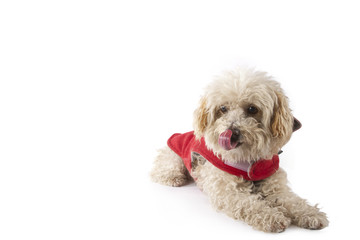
[(282, 120), (297, 125), (201, 118)]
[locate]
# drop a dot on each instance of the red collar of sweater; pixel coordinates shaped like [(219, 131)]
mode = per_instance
[(185, 144)]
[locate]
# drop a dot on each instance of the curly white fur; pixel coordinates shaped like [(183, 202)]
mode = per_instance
[(268, 205)]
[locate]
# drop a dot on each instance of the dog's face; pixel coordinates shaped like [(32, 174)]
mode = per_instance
[(244, 116)]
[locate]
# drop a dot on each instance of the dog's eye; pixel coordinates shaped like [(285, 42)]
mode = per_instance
[(252, 110), (223, 109)]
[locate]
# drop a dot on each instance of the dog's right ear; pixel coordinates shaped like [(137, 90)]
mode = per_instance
[(201, 118)]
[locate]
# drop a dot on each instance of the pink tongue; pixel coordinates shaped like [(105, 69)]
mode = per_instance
[(225, 140)]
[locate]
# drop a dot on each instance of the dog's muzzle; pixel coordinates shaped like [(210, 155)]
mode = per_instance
[(230, 139)]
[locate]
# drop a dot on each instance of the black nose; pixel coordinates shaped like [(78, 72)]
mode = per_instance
[(235, 137)]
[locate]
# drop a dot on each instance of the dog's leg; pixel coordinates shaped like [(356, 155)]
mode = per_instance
[(276, 191), (302, 214), (169, 169), (234, 196)]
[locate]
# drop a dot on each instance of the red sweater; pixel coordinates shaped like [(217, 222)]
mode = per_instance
[(184, 144)]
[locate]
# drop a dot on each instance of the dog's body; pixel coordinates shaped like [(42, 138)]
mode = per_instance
[(243, 117)]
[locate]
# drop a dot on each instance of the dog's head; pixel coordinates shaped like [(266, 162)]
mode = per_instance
[(244, 116)]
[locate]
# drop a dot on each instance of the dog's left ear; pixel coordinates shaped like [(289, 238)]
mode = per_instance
[(282, 120), (296, 125)]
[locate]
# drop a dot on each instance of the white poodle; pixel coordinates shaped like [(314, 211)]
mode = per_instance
[(240, 126)]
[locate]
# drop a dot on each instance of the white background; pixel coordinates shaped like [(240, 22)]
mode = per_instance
[(90, 89)]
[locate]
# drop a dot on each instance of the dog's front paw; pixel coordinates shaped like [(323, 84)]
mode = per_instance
[(313, 221), (279, 224), (273, 222)]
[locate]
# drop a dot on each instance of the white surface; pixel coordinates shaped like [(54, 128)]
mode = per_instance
[(90, 89)]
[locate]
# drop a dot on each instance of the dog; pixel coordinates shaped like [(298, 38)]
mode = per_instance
[(242, 122)]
